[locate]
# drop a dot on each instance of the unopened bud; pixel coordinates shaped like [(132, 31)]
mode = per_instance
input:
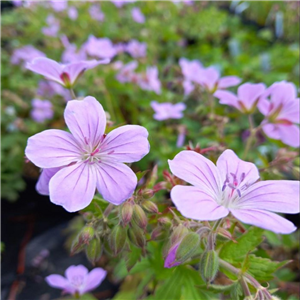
[(86, 234), (137, 236), (139, 216), (147, 194), (66, 79), (209, 265), (150, 207), (117, 239), (179, 232), (126, 212), (94, 250), (188, 247), (77, 246), (156, 233), (202, 231), (164, 221)]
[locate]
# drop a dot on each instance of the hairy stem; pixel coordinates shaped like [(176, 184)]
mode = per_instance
[(73, 94), (251, 137)]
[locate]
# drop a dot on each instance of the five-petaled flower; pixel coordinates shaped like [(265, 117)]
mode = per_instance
[(64, 74), (86, 158), (166, 110), (232, 186), (282, 113), (77, 280)]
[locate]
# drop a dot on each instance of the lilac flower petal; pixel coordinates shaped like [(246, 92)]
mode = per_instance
[(290, 111), (197, 170), (42, 185), (57, 281), (73, 187), (171, 257), (76, 271), (197, 204), (93, 279), (230, 165), (289, 134), (52, 148), (227, 98), (272, 131), (46, 67), (126, 144), (208, 78), (228, 81), (249, 93), (282, 91), (273, 195), (264, 106), (115, 181), (86, 120), (264, 219)]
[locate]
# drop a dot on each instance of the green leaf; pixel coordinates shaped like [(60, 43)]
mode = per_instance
[(262, 269), (236, 252)]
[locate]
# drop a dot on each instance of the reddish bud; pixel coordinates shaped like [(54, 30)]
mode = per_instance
[(86, 234), (150, 207), (126, 212)]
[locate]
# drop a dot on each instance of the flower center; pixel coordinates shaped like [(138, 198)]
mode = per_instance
[(77, 281)]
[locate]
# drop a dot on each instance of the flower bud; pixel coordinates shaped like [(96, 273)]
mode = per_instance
[(147, 194), (188, 247), (137, 236), (117, 239), (86, 234), (165, 221), (150, 207), (178, 233), (202, 231), (156, 233), (94, 250), (139, 216), (126, 212), (209, 265), (76, 246)]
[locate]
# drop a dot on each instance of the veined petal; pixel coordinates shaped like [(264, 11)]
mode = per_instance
[(271, 130), (116, 182), (289, 134), (274, 195), (264, 219), (230, 165), (290, 111), (76, 271), (93, 279), (197, 204), (86, 120), (73, 187), (42, 185), (126, 144), (227, 98), (197, 170), (228, 81), (249, 93), (46, 67), (52, 148)]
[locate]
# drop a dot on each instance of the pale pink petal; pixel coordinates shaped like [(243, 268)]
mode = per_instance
[(197, 170), (86, 120), (73, 187), (208, 78), (127, 143), (196, 203), (46, 67), (93, 279), (42, 185), (289, 134), (271, 130), (228, 81), (264, 106), (230, 165), (274, 195), (282, 91), (116, 182), (249, 93), (290, 111), (76, 271), (57, 281), (227, 98), (52, 148), (264, 219)]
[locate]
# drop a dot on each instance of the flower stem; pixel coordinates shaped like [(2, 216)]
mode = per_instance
[(251, 137), (245, 287), (211, 239), (72, 93)]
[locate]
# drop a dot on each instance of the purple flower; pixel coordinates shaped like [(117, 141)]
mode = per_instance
[(48, 89), (190, 69), (137, 15), (41, 110), (150, 81), (26, 54), (281, 113), (42, 185), (53, 26), (209, 78), (59, 5), (164, 111), (87, 157), (96, 13), (248, 95), (73, 13), (100, 48), (120, 3), (231, 186), (170, 260), (136, 49), (188, 87), (126, 72), (17, 2), (77, 280), (64, 74)]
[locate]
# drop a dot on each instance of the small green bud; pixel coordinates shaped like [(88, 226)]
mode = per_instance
[(150, 206), (137, 236), (86, 234), (117, 239), (126, 212), (156, 233), (209, 265), (139, 216), (188, 247), (147, 194), (77, 246), (164, 221), (94, 250), (178, 233)]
